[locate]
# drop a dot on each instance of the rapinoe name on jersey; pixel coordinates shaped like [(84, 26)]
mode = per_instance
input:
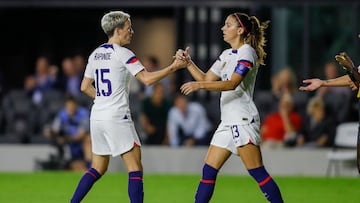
[(102, 56)]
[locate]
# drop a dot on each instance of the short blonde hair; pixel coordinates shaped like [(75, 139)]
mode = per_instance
[(112, 20)]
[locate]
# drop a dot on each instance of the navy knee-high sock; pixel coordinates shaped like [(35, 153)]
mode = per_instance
[(266, 184), (135, 187), (206, 185), (85, 184)]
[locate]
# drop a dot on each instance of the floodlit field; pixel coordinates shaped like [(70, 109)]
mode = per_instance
[(57, 187)]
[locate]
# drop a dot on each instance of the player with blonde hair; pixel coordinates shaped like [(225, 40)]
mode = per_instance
[(112, 130)]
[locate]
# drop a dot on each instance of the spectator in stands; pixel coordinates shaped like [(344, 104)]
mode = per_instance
[(188, 123), (319, 129), (79, 63), (337, 100), (71, 80), (43, 79), (281, 126), (154, 116), (282, 82), (71, 128), (151, 63)]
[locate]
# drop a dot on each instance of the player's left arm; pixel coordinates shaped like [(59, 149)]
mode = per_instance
[(87, 87), (239, 74), (231, 84)]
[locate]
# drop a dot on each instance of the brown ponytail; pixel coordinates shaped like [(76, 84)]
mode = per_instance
[(254, 33), (256, 37)]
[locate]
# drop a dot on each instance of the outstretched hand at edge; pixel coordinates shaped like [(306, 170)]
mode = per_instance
[(312, 84)]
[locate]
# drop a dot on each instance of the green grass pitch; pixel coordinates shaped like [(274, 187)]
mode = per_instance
[(57, 187)]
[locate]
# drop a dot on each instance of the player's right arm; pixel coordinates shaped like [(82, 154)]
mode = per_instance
[(149, 78), (87, 87), (133, 65), (193, 69), (315, 83)]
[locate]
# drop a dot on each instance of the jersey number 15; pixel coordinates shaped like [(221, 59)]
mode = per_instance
[(101, 73)]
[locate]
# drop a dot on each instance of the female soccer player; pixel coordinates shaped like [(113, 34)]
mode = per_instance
[(238, 132), (112, 129)]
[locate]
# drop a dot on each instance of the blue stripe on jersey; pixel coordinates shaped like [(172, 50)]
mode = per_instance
[(106, 46), (132, 60), (234, 51)]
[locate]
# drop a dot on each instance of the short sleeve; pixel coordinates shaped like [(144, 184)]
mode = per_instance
[(218, 64), (247, 58), (89, 73), (130, 61)]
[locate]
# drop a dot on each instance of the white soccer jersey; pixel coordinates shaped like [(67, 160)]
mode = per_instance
[(110, 65), (237, 106)]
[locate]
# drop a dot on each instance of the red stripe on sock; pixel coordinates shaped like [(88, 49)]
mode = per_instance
[(265, 181), (93, 175), (135, 178), (207, 181)]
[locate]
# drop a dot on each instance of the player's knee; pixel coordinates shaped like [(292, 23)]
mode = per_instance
[(101, 170), (135, 167)]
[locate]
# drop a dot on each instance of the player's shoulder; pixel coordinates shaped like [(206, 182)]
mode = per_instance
[(226, 52), (247, 48), (122, 50)]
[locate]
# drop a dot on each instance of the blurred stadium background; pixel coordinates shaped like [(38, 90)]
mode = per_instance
[(303, 35)]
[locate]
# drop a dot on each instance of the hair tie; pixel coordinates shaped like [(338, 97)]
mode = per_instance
[(239, 21)]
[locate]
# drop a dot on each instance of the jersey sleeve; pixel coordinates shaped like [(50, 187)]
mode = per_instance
[(218, 65), (89, 72), (247, 59), (245, 62), (130, 61)]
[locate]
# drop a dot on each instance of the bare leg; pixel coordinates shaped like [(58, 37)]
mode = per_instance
[(214, 160), (100, 163), (251, 156), (132, 159)]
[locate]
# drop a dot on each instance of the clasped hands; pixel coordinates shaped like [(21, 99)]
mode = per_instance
[(183, 55)]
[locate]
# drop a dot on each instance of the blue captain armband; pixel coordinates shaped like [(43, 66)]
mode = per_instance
[(243, 67)]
